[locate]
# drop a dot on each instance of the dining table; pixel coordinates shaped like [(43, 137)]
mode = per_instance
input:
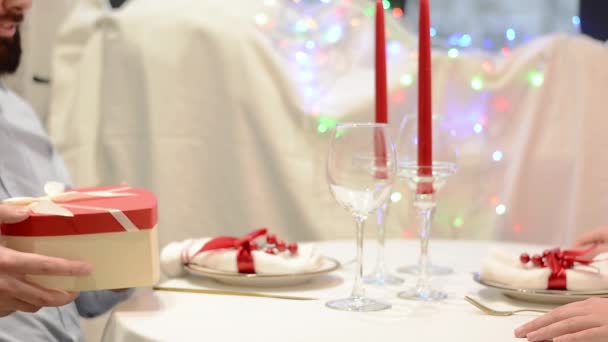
[(153, 315)]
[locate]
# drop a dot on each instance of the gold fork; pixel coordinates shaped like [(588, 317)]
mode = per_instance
[(229, 293), (493, 312)]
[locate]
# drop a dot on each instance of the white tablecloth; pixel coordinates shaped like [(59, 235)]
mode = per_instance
[(167, 316)]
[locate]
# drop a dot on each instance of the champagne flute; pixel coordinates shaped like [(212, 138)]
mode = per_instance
[(425, 183)]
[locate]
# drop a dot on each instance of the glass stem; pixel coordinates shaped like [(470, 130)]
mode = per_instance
[(358, 290), (425, 206), (427, 256), (382, 213)]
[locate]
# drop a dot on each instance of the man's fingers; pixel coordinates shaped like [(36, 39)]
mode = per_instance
[(39, 296), (12, 214), (19, 305), (556, 315), (26, 263), (5, 312), (564, 327)]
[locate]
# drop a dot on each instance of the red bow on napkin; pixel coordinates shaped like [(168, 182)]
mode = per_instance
[(558, 261), (244, 258)]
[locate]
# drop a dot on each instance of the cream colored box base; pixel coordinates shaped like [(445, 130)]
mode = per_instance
[(120, 260)]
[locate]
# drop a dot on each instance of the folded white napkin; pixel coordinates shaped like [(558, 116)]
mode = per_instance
[(503, 268), (171, 258)]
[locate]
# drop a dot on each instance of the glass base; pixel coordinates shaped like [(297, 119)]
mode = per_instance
[(423, 295), (433, 270), (381, 278), (359, 304)]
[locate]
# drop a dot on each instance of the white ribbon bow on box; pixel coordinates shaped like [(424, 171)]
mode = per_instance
[(55, 202)]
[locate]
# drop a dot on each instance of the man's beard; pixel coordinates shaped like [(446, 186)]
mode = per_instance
[(10, 53)]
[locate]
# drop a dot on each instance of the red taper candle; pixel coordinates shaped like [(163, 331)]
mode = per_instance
[(425, 112), (381, 93)]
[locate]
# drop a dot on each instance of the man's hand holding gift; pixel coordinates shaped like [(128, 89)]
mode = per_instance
[(16, 293)]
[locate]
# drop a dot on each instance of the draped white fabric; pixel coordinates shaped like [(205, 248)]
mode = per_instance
[(191, 100)]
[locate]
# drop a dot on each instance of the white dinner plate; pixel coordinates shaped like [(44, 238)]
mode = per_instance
[(541, 296), (264, 280)]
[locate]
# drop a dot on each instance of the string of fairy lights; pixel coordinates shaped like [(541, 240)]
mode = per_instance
[(310, 34)]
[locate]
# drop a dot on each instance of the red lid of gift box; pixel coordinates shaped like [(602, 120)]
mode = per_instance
[(93, 215)]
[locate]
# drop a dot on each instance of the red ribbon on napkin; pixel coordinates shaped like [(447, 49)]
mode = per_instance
[(561, 260), (244, 258)]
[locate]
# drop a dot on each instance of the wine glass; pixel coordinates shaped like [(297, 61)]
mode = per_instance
[(425, 183), (361, 168)]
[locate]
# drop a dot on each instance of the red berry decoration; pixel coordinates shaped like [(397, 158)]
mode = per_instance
[(537, 260), (281, 245), (524, 258), (293, 248), (271, 238), (545, 253), (270, 250)]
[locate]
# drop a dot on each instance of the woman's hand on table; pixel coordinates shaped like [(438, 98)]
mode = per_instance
[(16, 293), (597, 236), (579, 321)]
